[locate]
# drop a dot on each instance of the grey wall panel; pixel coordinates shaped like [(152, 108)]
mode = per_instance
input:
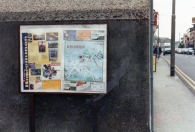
[(124, 108)]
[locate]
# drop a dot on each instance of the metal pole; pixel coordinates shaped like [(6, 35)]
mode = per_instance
[(158, 30), (172, 68), (179, 38), (95, 117), (32, 112), (151, 23)]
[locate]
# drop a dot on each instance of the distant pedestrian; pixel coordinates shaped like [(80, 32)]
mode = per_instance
[(157, 51)]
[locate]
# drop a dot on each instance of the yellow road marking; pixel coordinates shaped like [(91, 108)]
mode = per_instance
[(183, 75)]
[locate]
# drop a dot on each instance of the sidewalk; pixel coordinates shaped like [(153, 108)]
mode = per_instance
[(174, 104)]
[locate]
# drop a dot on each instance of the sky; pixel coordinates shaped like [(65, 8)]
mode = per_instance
[(184, 11)]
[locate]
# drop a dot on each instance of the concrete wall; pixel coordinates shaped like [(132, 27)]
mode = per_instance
[(71, 5), (124, 108)]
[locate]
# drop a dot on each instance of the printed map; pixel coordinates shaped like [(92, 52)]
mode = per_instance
[(83, 61)]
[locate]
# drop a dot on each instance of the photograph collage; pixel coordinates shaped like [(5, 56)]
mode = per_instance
[(63, 60), (42, 61)]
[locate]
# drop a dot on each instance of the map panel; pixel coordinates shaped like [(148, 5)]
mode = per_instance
[(83, 61)]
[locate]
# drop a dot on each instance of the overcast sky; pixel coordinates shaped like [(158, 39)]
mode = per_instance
[(184, 11)]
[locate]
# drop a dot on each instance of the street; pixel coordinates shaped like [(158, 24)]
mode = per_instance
[(184, 68), (186, 63)]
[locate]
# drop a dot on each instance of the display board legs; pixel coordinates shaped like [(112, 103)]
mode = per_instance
[(95, 118), (32, 112)]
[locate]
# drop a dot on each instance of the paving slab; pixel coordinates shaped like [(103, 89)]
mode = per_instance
[(174, 104)]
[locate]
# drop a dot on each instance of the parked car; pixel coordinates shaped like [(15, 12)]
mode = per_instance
[(167, 50), (176, 50), (184, 50), (190, 51), (193, 52), (179, 51)]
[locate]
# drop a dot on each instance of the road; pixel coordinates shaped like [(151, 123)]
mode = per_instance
[(186, 63)]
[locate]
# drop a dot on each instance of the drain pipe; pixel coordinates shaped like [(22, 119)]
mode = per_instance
[(151, 23)]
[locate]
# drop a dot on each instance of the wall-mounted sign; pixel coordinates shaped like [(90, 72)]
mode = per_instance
[(63, 58)]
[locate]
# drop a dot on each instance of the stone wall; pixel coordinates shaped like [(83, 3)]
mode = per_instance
[(60, 10), (71, 5)]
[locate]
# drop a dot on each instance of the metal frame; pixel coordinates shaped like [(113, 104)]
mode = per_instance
[(151, 23)]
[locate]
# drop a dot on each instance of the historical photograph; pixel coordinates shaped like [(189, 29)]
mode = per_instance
[(31, 85), (97, 35), (38, 83), (31, 65), (70, 85), (50, 71), (39, 36), (36, 71), (29, 37), (53, 44), (53, 54), (53, 36), (42, 46), (70, 35)]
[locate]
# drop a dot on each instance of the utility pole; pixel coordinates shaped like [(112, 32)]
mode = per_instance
[(172, 68), (179, 37), (158, 30), (151, 24)]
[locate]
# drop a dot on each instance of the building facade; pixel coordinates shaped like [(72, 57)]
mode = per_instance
[(187, 38), (192, 37)]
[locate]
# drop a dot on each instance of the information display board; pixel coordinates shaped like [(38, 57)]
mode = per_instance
[(63, 58)]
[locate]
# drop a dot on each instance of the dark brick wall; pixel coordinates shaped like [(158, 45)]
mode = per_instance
[(124, 108)]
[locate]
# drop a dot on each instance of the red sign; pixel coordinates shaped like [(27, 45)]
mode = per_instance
[(155, 18)]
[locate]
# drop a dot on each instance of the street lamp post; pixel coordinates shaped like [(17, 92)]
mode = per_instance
[(151, 66), (172, 68), (158, 30), (179, 37)]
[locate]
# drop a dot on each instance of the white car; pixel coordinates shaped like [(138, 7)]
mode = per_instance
[(167, 50), (190, 51), (193, 52), (184, 50), (179, 51)]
